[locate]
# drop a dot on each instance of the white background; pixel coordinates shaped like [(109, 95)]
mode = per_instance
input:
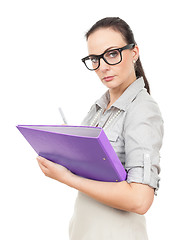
[(41, 44)]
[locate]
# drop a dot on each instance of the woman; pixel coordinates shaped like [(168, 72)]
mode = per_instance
[(133, 123)]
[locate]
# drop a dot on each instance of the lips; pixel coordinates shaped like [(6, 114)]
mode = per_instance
[(108, 79)]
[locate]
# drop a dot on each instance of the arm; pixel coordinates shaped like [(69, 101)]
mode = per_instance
[(131, 197)]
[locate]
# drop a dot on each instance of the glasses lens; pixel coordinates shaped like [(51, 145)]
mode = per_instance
[(113, 56), (92, 62)]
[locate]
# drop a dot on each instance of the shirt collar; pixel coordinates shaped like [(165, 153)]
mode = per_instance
[(103, 101), (125, 99)]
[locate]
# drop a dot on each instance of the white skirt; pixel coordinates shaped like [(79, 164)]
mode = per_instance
[(95, 221)]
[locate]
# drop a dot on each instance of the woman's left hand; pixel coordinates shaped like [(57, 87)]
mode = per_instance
[(54, 170)]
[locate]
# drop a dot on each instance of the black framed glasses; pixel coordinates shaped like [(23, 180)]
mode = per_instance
[(111, 57)]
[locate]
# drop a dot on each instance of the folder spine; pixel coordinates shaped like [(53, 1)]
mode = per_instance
[(110, 152)]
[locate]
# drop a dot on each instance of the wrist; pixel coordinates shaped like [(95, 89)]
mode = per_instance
[(68, 178), (73, 180)]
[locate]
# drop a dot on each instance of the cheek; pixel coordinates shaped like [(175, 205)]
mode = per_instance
[(126, 59), (99, 74), (126, 64)]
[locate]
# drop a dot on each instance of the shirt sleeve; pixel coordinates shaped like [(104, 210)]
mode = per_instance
[(143, 134)]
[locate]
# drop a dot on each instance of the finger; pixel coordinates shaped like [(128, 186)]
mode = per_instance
[(43, 169), (43, 161), (46, 163)]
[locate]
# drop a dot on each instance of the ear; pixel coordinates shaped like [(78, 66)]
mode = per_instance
[(135, 53)]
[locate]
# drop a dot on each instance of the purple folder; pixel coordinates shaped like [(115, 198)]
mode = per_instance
[(85, 151)]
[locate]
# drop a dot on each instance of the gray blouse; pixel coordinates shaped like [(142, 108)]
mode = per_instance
[(134, 126), (135, 133)]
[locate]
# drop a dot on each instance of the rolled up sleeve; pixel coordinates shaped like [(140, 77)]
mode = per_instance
[(143, 134)]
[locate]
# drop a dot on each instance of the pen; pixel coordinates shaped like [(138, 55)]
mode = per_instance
[(62, 115)]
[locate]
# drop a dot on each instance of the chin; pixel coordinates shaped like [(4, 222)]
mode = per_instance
[(112, 85)]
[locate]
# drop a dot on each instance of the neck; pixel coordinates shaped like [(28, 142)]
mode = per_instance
[(115, 93)]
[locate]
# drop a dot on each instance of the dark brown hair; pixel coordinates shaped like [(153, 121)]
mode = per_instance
[(121, 26)]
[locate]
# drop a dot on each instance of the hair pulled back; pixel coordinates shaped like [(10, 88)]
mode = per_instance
[(121, 26)]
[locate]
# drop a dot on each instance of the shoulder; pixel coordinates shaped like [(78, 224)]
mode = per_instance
[(143, 104), (144, 112)]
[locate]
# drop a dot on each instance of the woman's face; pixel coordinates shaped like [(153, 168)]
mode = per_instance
[(118, 76)]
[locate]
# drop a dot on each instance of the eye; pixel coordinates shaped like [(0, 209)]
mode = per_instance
[(112, 54), (94, 59)]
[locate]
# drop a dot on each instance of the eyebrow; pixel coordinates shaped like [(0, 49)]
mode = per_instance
[(110, 48)]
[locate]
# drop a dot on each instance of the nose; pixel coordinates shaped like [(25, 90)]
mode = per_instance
[(103, 65)]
